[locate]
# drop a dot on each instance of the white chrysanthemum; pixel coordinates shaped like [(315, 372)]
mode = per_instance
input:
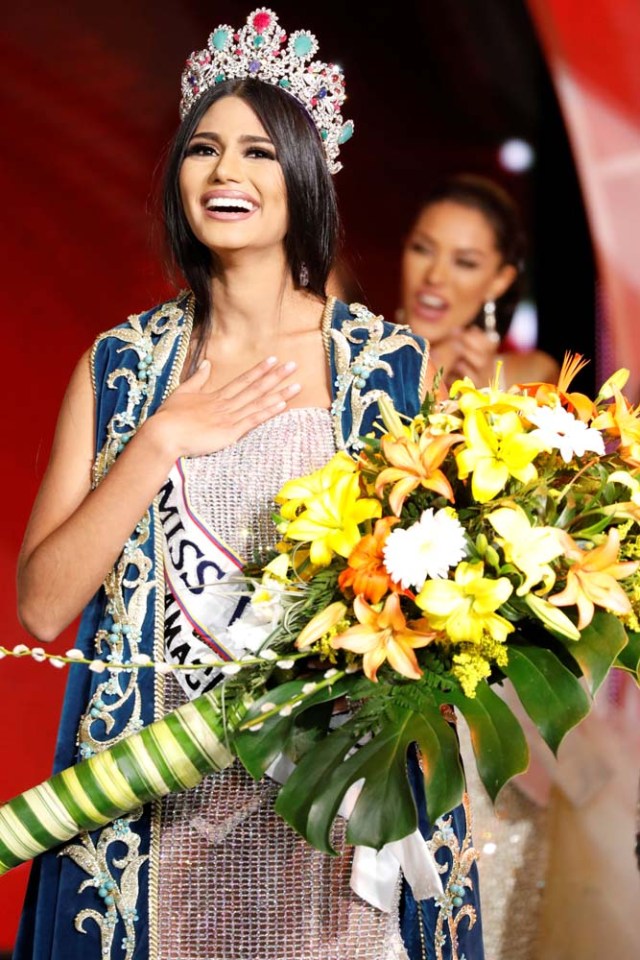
[(561, 430), (427, 549)]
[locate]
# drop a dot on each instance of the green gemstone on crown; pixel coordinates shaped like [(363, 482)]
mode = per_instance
[(258, 41), (220, 78), (302, 45), (324, 134), (346, 133), (284, 83), (219, 39)]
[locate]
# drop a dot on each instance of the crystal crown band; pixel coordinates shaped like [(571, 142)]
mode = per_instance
[(262, 50)]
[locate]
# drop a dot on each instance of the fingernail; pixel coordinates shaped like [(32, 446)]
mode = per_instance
[(289, 366), (271, 360), (294, 388)]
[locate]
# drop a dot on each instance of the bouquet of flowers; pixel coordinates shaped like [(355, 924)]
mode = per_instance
[(492, 537)]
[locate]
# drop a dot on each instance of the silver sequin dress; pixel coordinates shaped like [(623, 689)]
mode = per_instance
[(236, 883)]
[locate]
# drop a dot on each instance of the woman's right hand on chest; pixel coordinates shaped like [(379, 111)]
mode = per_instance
[(200, 417)]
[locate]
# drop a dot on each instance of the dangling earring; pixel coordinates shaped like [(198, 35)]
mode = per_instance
[(304, 275), (490, 321)]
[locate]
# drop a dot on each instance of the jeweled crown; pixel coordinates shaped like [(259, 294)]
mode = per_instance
[(262, 50)]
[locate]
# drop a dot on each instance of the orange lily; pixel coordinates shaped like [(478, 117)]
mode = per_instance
[(385, 635), (592, 579), (415, 464), (366, 572), (547, 394)]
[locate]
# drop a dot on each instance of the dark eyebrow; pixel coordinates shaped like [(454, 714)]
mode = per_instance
[(459, 250), (245, 138)]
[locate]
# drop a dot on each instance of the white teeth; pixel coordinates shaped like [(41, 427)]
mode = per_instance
[(430, 301), (229, 203)]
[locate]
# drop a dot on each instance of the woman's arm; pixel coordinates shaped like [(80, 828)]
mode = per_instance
[(75, 534)]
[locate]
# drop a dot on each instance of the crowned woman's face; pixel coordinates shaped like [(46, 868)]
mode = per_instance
[(450, 267), (231, 183)]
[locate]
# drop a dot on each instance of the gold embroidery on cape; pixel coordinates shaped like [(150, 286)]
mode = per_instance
[(355, 360), (452, 910), (121, 692)]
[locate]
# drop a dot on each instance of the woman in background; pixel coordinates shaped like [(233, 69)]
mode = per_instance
[(460, 283), (461, 266)]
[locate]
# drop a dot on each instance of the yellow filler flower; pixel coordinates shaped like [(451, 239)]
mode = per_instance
[(592, 579), (385, 635), (465, 607)]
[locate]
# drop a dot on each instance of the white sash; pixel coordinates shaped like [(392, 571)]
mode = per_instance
[(204, 594)]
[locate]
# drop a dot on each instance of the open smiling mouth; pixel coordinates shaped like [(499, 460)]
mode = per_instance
[(230, 205)]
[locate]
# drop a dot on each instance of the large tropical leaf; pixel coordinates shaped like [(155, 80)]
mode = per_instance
[(551, 695), (598, 647), (258, 748), (385, 809), (498, 740)]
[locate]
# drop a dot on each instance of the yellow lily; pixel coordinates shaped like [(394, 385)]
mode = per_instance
[(296, 493), (385, 635), (472, 398), (321, 624), (465, 606), (391, 418), (553, 618), (622, 420), (527, 547), (330, 521), (413, 465), (496, 449), (592, 579), (615, 382)]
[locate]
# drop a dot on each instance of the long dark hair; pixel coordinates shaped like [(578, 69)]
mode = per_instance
[(313, 221), (501, 212)]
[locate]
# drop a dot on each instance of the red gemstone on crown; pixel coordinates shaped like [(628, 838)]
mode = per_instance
[(261, 21)]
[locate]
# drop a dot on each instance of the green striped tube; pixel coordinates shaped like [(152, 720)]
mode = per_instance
[(171, 755)]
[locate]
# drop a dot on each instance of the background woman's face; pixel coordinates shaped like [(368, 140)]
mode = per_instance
[(231, 182), (450, 268)]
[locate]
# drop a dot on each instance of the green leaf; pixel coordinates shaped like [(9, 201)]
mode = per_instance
[(599, 645), (498, 740), (257, 749), (548, 691), (310, 778), (385, 809), (629, 656)]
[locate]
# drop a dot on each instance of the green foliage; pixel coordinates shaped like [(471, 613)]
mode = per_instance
[(498, 741), (551, 695), (385, 809)]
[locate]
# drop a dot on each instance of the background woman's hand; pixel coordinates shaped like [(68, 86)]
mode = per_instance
[(475, 357), (198, 419)]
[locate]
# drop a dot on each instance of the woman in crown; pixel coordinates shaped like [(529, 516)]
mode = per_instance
[(235, 379)]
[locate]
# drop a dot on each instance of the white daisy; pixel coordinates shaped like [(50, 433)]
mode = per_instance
[(429, 548), (560, 430)]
